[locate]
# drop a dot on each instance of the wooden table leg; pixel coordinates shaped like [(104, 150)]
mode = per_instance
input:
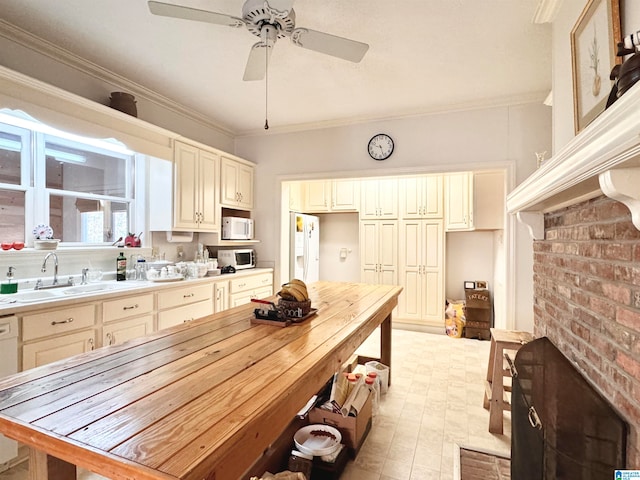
[(46, 467), (385, 344)]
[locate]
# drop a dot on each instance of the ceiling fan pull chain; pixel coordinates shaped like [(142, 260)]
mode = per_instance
[(266, 87)]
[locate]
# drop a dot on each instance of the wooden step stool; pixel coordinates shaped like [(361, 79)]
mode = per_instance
[(496, 394)]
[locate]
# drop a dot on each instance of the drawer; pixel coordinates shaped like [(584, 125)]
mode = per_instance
[(184, 295), (127, 307), (187, 313), (52, 322), (250, 283)]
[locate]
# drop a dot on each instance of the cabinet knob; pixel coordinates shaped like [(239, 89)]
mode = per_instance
[(91, 344)]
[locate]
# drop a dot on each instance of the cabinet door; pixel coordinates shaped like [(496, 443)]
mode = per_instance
[(410, 198), (433, 271), (54, 349), (388, 197), (245, 186), (410, 268), (457, 196), (345, 195), (369, 199), (388, 252), (186, 190), (209, 218), (295, 196), (432, 196), (220, 296), (317, 196), (228, 182), (369, 251), (119, 332)]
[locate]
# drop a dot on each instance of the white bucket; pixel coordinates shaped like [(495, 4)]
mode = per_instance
[(382, 371)]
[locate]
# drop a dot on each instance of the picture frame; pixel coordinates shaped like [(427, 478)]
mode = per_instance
[(594, 41)]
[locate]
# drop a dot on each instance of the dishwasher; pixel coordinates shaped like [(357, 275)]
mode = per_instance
[(8, 366)]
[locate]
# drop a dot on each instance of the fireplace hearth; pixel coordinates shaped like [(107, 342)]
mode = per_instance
[(562, 428)]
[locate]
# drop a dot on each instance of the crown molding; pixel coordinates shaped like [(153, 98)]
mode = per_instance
[(61, 55)]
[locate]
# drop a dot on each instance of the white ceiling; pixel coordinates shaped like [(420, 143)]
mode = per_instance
[(424, 56)]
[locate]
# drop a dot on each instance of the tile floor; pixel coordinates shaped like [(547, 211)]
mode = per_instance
[(435, 401)]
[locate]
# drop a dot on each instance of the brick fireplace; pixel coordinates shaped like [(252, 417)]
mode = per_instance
[(587, 300)]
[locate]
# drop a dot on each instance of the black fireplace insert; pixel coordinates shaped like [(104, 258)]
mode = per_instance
[(562, 428)]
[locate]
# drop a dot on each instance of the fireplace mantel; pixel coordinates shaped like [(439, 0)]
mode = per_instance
[(602, 159)]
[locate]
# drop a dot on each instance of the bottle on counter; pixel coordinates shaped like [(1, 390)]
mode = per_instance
[(121, 267)]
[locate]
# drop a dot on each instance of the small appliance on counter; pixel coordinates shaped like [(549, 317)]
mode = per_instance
[(237, 228), (238, 258)]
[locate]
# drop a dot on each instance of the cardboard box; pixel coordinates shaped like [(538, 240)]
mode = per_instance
[(352, 429)]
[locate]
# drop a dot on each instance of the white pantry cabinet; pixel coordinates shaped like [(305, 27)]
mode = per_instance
[(236, 184), (378, 198), (379, 252), (421, 196), (421, 271)]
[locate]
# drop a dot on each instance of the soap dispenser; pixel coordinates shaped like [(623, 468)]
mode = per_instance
[(9, 286)]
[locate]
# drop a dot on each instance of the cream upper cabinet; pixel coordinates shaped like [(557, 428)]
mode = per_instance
[(378, 198), (379, 252), (474, 201), (317, 196), (322, 196), (421, 197), (421, 271), (296, 201), (195, 190), (236, 184), (345, 195), (458, 204)]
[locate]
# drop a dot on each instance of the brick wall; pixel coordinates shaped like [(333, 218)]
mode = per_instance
[(587, 300)]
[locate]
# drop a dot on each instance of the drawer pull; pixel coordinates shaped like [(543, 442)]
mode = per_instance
[(91, 344), (60, 322), (132, 307), (110, 339), (188, 320), (188, 295)]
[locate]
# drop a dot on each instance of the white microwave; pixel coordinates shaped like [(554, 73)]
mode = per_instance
[(238, 258), (236, 228)]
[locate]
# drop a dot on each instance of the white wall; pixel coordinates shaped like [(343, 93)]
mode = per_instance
[(338, 231), (470, 256)]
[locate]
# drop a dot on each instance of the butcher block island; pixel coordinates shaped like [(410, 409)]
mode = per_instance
[(202, 400)]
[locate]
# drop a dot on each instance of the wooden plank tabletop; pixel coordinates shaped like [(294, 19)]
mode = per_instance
[(198, 401)]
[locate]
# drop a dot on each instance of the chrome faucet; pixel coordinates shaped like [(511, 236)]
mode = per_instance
[(55, 266), (55, 284)]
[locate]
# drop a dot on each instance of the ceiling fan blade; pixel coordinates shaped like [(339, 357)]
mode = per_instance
[(187, 13), (257, 62), (329, 44)]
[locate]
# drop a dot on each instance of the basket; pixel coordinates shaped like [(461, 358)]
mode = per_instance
[(293, 309)]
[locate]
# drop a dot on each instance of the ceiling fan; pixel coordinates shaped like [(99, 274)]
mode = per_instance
[(269, 20)]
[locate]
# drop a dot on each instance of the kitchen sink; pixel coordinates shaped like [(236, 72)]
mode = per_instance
[(91, 288), (34, 296)]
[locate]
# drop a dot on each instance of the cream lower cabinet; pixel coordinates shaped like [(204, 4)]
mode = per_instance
[(51, 335), (127, 318), (379, 252), (220, 296), (243, 289), (184, 304), (421, 271)]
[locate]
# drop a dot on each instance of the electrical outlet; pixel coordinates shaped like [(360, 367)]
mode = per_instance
[(180, 252)]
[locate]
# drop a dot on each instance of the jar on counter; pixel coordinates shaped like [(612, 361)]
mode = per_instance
[(301, 462)]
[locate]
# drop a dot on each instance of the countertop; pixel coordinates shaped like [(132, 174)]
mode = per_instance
[(120, 289)]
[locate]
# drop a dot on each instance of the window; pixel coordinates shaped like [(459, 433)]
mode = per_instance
[(82, 188)]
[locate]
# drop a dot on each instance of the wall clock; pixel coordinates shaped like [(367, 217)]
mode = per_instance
[(380, 146)]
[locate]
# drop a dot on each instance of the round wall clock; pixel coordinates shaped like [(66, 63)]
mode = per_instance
[(380, 146)]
